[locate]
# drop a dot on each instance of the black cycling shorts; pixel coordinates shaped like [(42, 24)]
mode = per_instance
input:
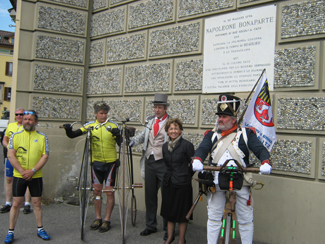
[(104, 172), (35, 186)]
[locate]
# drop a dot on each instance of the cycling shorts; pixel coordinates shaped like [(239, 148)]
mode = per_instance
[(104, 172), (9, 169), (35, 187)]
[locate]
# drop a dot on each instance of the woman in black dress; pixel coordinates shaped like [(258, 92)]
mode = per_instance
[(177, 186)]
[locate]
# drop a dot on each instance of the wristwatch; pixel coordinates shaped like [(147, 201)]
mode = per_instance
[(34, 170)]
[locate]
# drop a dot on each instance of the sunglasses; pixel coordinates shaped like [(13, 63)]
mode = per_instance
[(29, 112), (22, 114)]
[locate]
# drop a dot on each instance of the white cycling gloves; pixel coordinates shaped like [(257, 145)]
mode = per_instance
[(265, 169), (197, 165)]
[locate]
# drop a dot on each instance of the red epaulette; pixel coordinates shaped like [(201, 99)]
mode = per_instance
[(252, 129), (207, 132)]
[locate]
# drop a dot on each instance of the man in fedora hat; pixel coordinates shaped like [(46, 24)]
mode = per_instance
[(227, 141), (152, 164)]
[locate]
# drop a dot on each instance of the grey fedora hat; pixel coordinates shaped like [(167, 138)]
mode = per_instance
[(161, 99)]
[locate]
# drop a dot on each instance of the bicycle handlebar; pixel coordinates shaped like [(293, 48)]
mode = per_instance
[(219, 168), (96, 127), (62, 127), (240, 167)]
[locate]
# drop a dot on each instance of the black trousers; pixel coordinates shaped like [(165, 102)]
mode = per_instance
[(154, 173)]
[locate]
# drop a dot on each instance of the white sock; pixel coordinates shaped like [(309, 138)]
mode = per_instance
[(27, 203), (8, 203)]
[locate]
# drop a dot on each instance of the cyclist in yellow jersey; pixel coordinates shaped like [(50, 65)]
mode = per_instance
[(12, 128), (28, 152), (104, 160)]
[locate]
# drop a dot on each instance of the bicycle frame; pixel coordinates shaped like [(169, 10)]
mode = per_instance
[(125, 181), (85, 180), (228, 228), (124, 174), (227, 232)]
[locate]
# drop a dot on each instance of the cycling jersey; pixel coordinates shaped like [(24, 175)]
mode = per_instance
[(102, 141), (13, 128), (30, 147)]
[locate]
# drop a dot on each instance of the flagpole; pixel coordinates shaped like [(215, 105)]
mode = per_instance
[(242, 115)]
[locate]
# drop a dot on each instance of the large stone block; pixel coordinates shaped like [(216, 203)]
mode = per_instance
[(108, 22), (63, 20), (176, 40), (150, 13), (297, 66), (300, 20), (97, 52), (148, 77), (294, 155), (59, 48), (126, 48), (49, 77), (300, 113), (55, 107), (100, 5), (188, 75), (57, 78), (107, 80)]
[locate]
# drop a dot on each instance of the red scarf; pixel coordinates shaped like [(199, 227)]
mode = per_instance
[(227, 132)]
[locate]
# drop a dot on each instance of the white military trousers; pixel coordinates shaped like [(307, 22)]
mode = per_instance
[(244, 212)]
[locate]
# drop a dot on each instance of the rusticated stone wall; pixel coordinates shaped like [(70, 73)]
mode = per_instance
[(74, 53)]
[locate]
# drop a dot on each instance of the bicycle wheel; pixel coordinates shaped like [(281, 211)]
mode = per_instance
[(133, 209), (124, 187), (84, 186)]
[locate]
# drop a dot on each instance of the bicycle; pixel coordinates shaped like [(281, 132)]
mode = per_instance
[(125, 178), (84, 185), (228, 228)]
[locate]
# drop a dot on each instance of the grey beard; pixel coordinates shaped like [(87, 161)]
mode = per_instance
[(32, 127)]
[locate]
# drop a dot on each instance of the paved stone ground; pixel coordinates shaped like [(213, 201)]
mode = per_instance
[(62, 222)]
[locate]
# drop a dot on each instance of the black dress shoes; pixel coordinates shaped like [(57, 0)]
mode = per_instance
[(147, 232)]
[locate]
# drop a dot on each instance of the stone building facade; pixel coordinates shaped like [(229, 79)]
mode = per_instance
[(72, 53)]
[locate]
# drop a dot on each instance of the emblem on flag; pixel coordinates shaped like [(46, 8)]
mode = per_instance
[(263, 109)]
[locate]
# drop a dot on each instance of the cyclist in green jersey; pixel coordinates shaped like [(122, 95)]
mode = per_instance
[(104, 160), (28, 152)]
